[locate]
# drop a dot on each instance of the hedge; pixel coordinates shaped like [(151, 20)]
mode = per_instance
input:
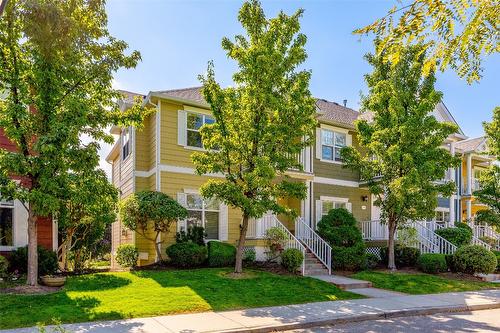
[(475, 259), (432, 263), (221, 254), (186, 255)]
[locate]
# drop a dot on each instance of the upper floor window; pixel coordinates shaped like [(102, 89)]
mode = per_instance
[(331, 144), (327, 206), (6, 223), (194, 121), (125, 143)]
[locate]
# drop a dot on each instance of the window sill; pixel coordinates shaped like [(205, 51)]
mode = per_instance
[(7, 248), (330, 161), (194, 148)]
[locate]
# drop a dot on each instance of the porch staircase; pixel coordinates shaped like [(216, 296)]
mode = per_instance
[(313, 266)]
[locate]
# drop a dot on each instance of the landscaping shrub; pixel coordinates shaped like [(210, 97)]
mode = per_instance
[(489, 240), (275, 239), (339, 229), (497, 254), (458, 236), (47, 261), (463, 226), (249, 255), (450, 262), (291, 259), (371, 261), (186, 254), (195, 234), (475, 259), (221, 254), (127, 255), (432, 263), (4, 265), (403, 256)]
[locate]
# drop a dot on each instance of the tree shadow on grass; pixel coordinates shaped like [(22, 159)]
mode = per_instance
[(95, 282), (25, 311)]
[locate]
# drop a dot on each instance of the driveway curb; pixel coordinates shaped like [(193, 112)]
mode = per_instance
[(367, 317)]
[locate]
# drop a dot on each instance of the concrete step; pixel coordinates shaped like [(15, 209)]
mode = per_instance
[(316, 271), (344, 282), (489, 277)]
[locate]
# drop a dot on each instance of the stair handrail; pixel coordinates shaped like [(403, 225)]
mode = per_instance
[(317, 245), (443, 245), (292, 242), (486, 231), (475, 240)]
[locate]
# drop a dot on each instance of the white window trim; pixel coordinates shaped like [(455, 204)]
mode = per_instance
[(4, 204), (335, 199), (186, 129), (122, 143), (203, 210)]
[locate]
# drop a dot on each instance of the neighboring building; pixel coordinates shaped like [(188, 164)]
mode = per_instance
[(14, 219), (157, 157)]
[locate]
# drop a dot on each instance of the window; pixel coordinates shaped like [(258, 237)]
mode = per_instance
[(125, 143), (6, 223), (204, 213), (327, 206), (442, 216), (194, 123), (331, 144)]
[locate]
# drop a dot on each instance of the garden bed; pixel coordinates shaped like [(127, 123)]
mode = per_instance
[(161, 292)]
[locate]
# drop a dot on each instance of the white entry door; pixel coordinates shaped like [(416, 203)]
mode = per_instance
[(375, 211)]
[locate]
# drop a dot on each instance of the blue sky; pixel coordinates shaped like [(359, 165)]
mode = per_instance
[(177, 39)]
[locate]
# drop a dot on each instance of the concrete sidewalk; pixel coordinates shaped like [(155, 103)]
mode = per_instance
[(294, 316)]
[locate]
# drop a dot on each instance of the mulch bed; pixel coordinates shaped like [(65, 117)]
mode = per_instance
[(30, 290)]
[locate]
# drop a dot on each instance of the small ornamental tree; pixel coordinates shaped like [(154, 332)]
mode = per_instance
[(403, 142), (489, 194), (57, 61), (150, 213), (88, 208), (262, 122)]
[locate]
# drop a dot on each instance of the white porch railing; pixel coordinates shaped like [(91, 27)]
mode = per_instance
[(314, 243), (428, 241), (487, 231), (257, 230), (475, 240)]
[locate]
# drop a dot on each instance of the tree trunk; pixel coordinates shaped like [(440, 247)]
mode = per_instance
[(157, 247), (238, 266), (390, 244), (32, 278)]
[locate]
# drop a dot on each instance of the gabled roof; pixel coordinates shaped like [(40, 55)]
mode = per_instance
[(128, 96), (187, 94), (335, 113), (471, 145)]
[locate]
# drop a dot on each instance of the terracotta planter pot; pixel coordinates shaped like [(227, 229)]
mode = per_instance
[(53, 281)]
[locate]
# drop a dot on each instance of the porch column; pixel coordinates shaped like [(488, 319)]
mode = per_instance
[(469, 209), (469, 174), (452, 178), (306, 205)]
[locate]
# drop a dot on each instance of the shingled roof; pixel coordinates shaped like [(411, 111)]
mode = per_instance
[(327, 111), (128, 96), (470, 144)]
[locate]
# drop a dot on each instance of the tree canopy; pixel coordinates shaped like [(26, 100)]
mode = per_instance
[(401, 154), (456, 33), (57, 64), (261, 123)]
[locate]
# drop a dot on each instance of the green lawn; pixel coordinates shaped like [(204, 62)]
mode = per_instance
[(420, 283), (149, 293)]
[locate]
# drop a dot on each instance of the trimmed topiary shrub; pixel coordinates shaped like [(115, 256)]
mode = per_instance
[(339, 229), (4, 265), (403, 256), (221, 254), (475, 259), (371, 261), (186, 254), (249, 255), (432, 263), (127, 255), (291, 259), (458, 236), (47, 261)]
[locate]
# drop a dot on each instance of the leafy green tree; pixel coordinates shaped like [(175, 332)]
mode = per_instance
[(57, 63), (456, 33), (489, 194), (88, 208), (262, 122), (150, 210), (403, 142)]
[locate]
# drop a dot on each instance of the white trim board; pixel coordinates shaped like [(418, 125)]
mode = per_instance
[(174, 169), (333, 181)]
